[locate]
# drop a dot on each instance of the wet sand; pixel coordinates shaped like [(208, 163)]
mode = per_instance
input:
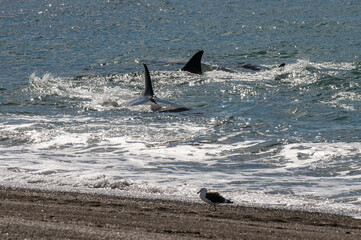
[(36, 214)]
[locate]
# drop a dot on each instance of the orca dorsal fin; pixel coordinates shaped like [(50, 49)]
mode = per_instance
[(194, 64), (148, 89)]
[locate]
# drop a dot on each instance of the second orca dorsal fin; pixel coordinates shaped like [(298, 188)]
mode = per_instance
[(194, 64), (148, 89)]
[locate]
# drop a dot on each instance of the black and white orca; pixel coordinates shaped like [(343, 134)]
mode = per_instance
[(148, 98)]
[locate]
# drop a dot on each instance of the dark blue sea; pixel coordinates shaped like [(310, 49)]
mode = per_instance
[(285, 137)]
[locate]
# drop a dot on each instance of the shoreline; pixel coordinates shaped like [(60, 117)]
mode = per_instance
[(42, 214)]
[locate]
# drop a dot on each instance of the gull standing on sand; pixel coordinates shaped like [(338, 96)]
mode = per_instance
[(212, 198)]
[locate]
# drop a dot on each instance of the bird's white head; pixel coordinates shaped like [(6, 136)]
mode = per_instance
[(202, 191)]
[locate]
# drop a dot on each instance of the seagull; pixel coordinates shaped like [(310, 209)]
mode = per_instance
[(212, 198)]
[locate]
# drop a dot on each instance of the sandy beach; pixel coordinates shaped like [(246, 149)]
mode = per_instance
[(38, 214)]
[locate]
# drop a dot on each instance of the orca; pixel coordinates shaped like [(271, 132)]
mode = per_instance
[(194, 64), (256, 68), (148, 98), (250, 66)]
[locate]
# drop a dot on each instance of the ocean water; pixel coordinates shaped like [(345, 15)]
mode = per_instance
[(281, 137)]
